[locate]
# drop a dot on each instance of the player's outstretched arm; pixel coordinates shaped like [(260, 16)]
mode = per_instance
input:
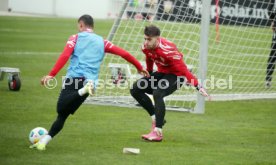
[(65, 55), (194, 81), (113, 49), (61, 61)]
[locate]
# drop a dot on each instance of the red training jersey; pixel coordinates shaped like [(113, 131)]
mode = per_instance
[(108, 48), (169, 60)]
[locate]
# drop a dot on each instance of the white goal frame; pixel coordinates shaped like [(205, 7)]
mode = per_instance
[(200, 68)]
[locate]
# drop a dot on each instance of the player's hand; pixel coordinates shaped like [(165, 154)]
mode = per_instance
[(144, 73), (45, 79), (272, 26), (203, 92)]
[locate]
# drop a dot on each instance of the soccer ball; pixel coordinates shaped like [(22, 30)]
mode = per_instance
[(36, 134)]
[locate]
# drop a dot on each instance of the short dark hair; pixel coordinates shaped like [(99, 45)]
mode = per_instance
[(87, 20), (152, 31)]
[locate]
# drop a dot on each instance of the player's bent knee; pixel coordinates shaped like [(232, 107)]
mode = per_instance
[(133, 91), (158, 94), (63, 114)]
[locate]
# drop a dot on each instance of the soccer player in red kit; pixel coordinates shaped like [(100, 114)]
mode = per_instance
[(170, 74), (85, 51)]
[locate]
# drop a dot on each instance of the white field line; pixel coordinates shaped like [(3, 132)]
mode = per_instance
[(215, 97), (57, 53), (23, 14), (29, 53)]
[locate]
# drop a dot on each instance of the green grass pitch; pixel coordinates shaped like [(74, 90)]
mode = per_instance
[(234, 132)]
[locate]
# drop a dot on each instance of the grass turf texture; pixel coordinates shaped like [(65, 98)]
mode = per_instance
[(236, 132)]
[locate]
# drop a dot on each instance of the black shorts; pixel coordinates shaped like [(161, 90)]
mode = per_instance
[(69, 99), (167, 83)]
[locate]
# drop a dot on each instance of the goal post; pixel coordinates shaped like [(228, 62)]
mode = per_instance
[(117, 21), (203, 53), (231, 38)]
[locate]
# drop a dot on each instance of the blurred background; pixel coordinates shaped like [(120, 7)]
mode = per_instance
[(63, 8)]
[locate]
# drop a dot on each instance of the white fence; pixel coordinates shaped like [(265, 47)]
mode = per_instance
[(100, 9)]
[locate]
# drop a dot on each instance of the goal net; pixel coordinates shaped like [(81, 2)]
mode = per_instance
[(238, 41)]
